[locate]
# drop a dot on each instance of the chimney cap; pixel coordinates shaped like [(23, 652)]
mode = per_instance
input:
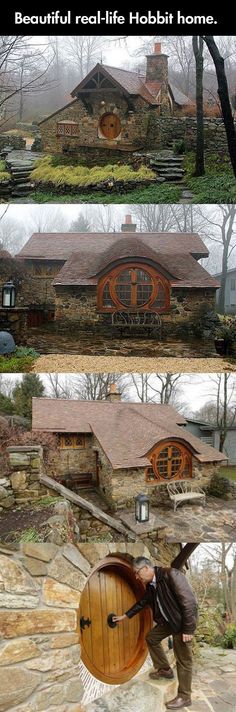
[(128, 219), (157, 48)]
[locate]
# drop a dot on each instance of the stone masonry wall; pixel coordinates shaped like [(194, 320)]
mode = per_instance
[(164, 131), (133, 118), (31, 288), (40, 590), (80, 304), (120, 487), (17, 142), (77, 460)]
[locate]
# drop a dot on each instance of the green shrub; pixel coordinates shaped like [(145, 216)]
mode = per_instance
[(21, 361), (78, 175), (179, 147), (229, 637), (219, 487), (4, 175)]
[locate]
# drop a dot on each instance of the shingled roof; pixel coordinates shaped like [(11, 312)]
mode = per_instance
[(181, 269), (132, 83), (61, 245), (126, 431)]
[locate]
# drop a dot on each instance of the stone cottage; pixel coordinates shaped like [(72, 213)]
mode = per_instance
[(124, 448), (113, 108), (97, 279)]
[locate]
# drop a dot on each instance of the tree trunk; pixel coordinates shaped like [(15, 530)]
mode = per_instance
[(223, 92), (198, 53), (221, 302)]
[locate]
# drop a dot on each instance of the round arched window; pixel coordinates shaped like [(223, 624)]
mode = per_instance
[(133, 287), (169, 461), (110, 126)]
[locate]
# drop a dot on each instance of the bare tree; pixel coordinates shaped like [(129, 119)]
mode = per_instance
[(223, 223), (84, 51), (153, 387), (223, 92), (94, 386), (221, 409), (23, 69), (198, 54)]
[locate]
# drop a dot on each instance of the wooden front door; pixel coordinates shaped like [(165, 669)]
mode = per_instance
[(110, 126), (112, 655)]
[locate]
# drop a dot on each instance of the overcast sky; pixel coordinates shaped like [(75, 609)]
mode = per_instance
[(19, 222), (194, 390)]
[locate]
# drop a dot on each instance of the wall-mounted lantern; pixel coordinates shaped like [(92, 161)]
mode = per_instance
[(141, 508), (9, 295)]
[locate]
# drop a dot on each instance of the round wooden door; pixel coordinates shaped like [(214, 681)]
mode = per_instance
[(113, 655), (110, 126)]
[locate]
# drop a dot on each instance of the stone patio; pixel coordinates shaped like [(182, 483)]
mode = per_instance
[(191, 522), (214, 682)]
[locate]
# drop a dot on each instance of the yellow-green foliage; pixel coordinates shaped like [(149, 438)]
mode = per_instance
[(46, 172), (4, 175)]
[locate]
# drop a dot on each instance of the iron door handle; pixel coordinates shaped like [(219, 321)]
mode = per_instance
[(110, 622)]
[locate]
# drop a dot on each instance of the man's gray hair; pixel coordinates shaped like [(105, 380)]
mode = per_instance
[(141, 561)]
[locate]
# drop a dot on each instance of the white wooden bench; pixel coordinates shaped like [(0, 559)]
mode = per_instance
[(185, 490)]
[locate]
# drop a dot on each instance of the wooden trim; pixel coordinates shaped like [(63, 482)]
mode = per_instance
[(124, 568), (110, 279), (154, 474), (74, 445)]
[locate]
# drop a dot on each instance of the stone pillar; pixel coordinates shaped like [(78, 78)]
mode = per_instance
[(15, 321), (26, 465)]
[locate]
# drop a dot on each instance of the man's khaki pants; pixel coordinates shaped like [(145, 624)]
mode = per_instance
[(182, 651)]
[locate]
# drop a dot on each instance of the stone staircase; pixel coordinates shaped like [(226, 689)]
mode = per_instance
[(20, 164), (168, 166)]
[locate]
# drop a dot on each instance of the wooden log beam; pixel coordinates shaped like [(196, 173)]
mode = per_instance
[(88, 506)]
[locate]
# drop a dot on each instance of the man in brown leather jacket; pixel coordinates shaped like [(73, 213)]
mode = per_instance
[(174, 608)]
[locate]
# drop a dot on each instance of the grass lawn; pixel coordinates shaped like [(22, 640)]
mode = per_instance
[(218, 185), (229, 472)]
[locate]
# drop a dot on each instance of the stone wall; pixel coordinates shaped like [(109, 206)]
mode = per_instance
[(21, 483), (16, 141), (31, 289), (87, 113), (80, 304), (165, 131), (40, 652), (77, 460), (121, 486)]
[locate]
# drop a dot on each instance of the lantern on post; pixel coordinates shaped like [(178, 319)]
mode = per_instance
[(9, 295), (141, 508)]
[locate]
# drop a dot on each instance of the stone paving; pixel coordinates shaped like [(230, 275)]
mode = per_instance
[(192, 522), (214, 684), (214, 687)]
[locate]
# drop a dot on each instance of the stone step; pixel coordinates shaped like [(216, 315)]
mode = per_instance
[(138, 695), (169, 169), (22, 172), (172, 161)]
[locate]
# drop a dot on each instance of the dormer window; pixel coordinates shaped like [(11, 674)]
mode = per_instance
[(169, 461), (133, 287)]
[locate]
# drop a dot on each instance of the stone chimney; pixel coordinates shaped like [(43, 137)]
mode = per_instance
[(157, 66), (113, 395), (128, 226)]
